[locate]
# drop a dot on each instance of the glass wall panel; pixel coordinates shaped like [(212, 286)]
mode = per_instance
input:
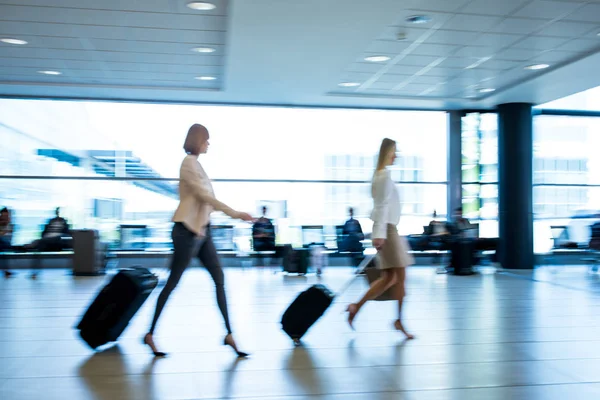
[(566, 177), (480, 171), (109, 164)]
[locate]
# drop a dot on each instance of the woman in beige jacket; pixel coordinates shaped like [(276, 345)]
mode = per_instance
[(191, 232)]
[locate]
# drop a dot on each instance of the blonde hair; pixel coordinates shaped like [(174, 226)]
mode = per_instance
[(196, 135), (387, 145)]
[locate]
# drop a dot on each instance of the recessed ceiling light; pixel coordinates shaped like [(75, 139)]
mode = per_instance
[(50, 72), (349, 84), (206, 78), (13, 41), (418, 19), (201, 6), (203, 50), (537, 66), (377, 58), (487, 90)]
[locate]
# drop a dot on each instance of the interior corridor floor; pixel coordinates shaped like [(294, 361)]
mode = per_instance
[(506, 335)]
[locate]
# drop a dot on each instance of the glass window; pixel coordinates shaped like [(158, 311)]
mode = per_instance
[(566, 177), (588, 100), (255, 155), (480, 171)]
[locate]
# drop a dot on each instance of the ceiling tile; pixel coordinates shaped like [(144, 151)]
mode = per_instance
[(581, 45), (475, 51), (459, 62), (441, 50), (443, 72), (523, 26), (553, 57), (568, 29), (474, 23), (387, 47), (429, 80), (436, 18), (113, 18), (405, 69), (590, 13), (420, 61), (442, 5), (452, 37), (516, 54), (391, 34), (115, 33), (494, 7), (547, 9), (382, 85), (540, 43), (496, 40)]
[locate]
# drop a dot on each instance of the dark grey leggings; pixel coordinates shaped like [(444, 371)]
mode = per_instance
[(185, 243)]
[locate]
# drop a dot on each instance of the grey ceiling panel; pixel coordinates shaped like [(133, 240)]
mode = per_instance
[(115, 33), (157, 6), (112, 18), (547, 9), (495, 7), (524, 26)]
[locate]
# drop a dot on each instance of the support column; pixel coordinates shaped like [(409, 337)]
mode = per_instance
[(454, 161), (515, 185)]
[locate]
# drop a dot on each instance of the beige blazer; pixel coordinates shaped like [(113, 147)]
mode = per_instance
[(196, 197)]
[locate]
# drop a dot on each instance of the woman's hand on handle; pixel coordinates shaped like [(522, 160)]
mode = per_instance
[(378, 243)]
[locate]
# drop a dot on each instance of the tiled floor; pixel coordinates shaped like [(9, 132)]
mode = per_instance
[(491, 336)]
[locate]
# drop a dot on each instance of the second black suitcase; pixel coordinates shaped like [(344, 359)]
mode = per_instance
[(310, 305), (110, 313), (306, 310)]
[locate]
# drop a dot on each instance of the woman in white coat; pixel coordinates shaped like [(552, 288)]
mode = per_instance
[(392, 249), (191, 232)]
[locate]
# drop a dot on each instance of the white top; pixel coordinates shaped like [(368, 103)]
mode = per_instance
[(386, 204), (196, 197)]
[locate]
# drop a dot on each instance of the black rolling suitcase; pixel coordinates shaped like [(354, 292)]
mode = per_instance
[(295, 261), (310, 305), (110, 313), (462, 256)]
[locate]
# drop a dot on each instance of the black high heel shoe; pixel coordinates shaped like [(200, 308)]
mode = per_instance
[(240, 354), (156, 353)]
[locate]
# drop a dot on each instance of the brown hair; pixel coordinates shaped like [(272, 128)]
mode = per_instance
[(196, 134)]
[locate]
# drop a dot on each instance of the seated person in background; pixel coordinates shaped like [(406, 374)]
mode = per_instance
[(352, 235), (6, 232), (263, 233), (459, 223), (595, 237), (56, 235), (437, 228)]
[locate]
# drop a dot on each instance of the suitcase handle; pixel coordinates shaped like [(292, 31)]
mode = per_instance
[(361, 268)]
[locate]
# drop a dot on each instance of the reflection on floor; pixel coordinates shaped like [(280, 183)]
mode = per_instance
[(490, 336)]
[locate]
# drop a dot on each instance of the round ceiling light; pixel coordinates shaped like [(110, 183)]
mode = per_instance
[(203, 50), (487, 90), (418, 19), (535, 67), (377, 58), (206, 78), (50, 72), (201, 6), (13, 41), (349, 84)]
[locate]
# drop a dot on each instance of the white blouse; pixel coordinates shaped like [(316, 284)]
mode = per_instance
[(386, 204)]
